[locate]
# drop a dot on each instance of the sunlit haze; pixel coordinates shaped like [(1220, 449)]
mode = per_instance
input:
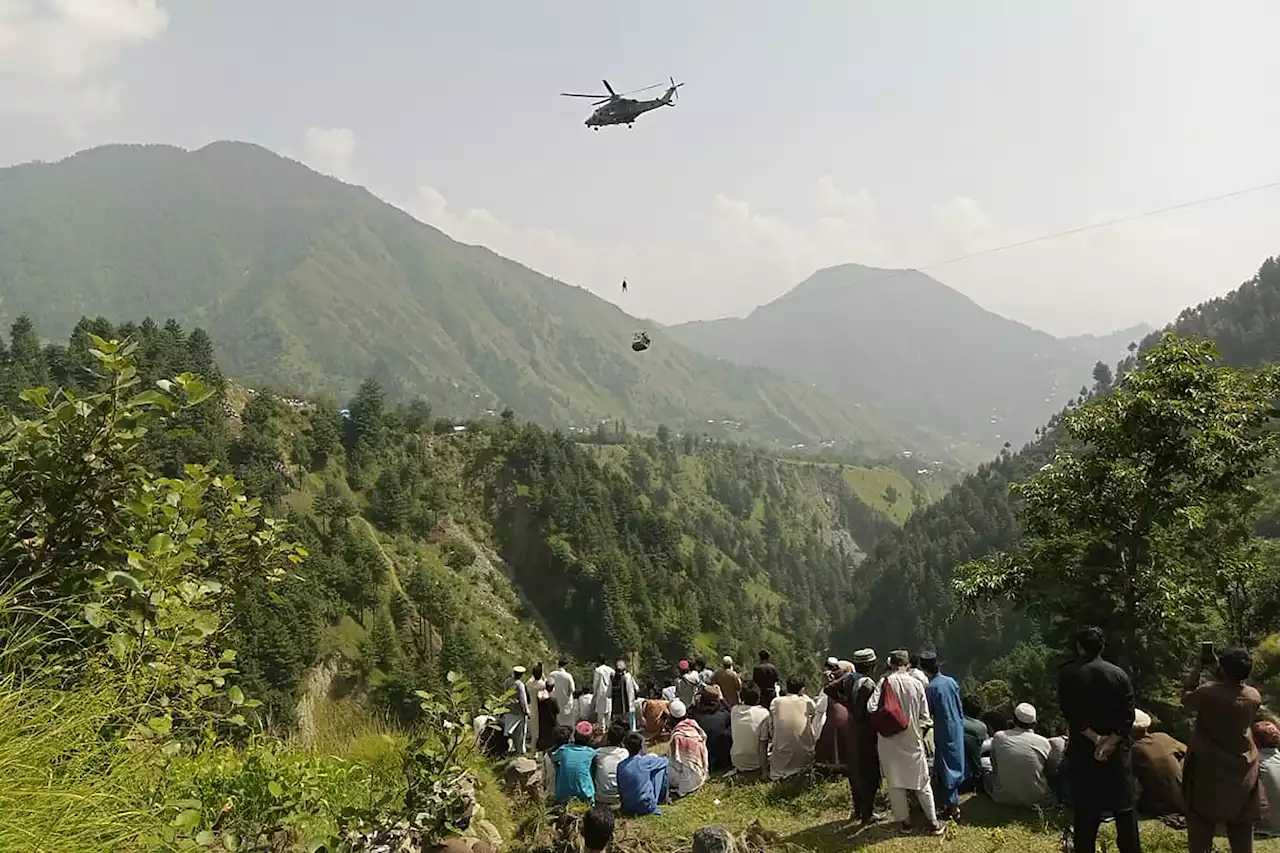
[(807, 134)]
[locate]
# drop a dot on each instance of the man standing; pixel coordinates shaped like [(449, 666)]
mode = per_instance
[(861, 757), (534, 686), (562, 691), (688, 685), (516, 721), (902, 756), (766, 678), (1096, 698), (602, 690), (623, 697), (729, 682), (943, 696), (704, 674)]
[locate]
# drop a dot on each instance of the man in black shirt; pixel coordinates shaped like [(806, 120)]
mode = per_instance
[(766, 678), (1097, 701)]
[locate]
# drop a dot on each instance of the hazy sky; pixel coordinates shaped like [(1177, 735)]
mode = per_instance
[(810, 133)]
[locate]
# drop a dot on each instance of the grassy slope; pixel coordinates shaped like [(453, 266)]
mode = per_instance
[(873, 485), (814, 818), (308, 284)]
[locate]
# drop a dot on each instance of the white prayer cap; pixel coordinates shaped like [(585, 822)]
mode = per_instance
[(832, 661), (519, 670), (676, 709), (1141, 720), (726, 660), (621, 664), (1025, 713)]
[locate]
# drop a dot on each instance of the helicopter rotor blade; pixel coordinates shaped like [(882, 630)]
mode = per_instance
[(577, 95), (645, 89)]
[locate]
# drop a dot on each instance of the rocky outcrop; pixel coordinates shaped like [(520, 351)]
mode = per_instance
[(316, 684), (522, 775)]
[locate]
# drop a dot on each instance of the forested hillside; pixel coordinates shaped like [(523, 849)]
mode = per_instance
[(905, 345), (909, 575), (435, 545), (306, 284)]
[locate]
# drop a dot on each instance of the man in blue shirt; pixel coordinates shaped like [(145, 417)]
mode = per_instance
[(943, 695), (573, 767), (642, 779)]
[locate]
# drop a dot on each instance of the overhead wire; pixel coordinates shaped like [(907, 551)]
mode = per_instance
[(1040, 239)]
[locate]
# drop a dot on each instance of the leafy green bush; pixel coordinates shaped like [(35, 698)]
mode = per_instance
[(126, 576), (266, 794)]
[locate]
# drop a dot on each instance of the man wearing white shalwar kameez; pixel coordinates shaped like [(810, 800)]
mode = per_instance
[(902, 756), (602, 690), (562, 692)]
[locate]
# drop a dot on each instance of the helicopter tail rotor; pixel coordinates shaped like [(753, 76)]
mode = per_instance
[(673, 93)]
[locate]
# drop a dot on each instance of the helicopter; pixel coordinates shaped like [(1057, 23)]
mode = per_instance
[(619, 109)]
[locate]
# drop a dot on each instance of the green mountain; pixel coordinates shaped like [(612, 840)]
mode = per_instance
[(310, 284), (900, 342), (907, 577)]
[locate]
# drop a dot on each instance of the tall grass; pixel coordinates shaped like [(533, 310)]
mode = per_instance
[(62, 786)]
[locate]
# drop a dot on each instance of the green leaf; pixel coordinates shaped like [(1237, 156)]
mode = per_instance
[(160, 725), (230, 842), (102, 345), (161, 543), (236, 695), (125, 580), (35, 396), (172, 748), (275, 788), (151, 398), (94, 614), (187, 820), (120, 644), (205, 838)]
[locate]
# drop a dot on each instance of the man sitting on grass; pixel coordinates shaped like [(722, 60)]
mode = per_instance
[(642, 779)]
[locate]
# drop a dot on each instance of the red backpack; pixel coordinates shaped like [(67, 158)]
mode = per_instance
[(888, 719)]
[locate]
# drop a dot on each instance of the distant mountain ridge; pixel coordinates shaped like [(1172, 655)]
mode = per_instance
[(1111, 347), (900, 341), (312, 284)]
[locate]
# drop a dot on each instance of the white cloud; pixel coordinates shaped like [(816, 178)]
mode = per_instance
[(858, 209), (330, 150), (55, 55), (549, 251)]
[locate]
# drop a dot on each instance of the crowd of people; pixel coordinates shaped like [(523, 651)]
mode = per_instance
[(904, 722)]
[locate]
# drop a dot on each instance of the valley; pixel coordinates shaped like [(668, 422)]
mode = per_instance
[(347, 472)]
